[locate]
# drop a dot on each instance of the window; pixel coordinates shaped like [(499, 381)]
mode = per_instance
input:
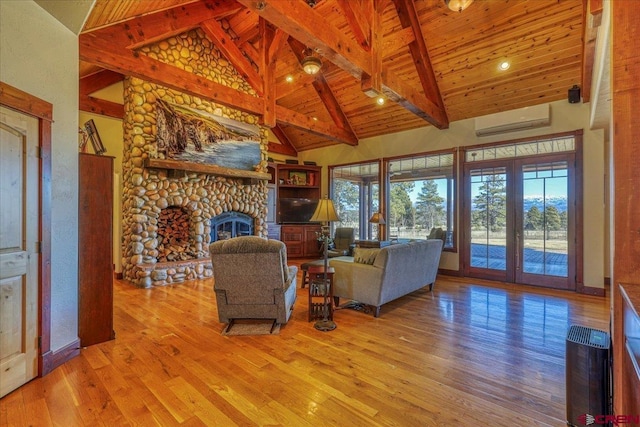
[(418, 194), (355, 190), (421, 195)]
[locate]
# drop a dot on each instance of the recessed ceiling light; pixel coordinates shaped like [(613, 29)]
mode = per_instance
[(504, 65), (289, 78), (380, 100)]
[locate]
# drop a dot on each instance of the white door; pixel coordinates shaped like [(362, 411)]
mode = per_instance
[(18, 249)]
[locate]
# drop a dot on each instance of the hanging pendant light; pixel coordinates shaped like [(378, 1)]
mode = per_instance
[(311, 64), (458, 5)]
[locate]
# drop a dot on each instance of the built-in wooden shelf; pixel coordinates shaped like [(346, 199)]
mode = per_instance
[(178, 165)]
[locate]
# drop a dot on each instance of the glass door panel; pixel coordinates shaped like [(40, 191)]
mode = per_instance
[(543, 222), (488, 219), (519, 221)]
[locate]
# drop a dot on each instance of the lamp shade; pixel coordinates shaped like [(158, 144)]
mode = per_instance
[(377, 218), (325, 212), (458, 5), (311, 64)]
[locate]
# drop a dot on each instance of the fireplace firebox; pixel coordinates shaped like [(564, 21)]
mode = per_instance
[(231, 224)]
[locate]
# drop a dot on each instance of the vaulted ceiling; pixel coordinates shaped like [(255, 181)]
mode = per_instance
[(432, 65)]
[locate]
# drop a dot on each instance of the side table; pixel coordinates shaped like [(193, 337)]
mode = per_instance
[(320, 293)]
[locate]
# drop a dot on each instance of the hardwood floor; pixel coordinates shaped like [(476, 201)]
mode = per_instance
[(470, 353)]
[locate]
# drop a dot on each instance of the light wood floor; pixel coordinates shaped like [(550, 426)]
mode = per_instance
[(471, 353)]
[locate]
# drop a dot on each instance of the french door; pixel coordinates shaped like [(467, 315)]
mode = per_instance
[(520, 220)]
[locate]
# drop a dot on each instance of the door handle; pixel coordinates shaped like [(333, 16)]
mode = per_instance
[(517, 250)]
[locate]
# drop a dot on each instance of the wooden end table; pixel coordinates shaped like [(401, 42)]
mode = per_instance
[(320, 292)]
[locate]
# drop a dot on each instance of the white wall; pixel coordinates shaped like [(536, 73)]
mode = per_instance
[(39, 56), (111, 135), (564, 117)]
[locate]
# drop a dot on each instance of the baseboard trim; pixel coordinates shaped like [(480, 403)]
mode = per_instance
[(454, 273), (589, 290), (52, 359)]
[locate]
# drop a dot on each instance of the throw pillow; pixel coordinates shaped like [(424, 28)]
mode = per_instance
[(365, 255)]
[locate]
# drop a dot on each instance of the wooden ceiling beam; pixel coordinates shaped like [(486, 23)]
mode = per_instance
[(392, 43), (279, 39), (324, 92), (268, 72), (143, 30), (313, 30), (409, 18), (592, 20), (97, 81), (413, 101), (248, 36), (354, 11), (300, 80), (101, 52), (96, 50), (285, 146), (371, 83), (225, 44), (308, 124), (102, 107), (300, 21)]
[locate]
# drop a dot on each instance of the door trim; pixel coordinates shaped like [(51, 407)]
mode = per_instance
[(30, 105), (579, 220)]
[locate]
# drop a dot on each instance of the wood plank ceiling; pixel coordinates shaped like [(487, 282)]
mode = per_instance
[(432, 65)]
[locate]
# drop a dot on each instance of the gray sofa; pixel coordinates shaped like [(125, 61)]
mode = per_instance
[(252, 279), (377, 276)]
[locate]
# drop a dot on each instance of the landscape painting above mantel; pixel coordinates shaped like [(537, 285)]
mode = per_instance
[(200, 137)]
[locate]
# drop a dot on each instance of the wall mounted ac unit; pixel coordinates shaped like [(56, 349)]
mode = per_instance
[(515, 120)]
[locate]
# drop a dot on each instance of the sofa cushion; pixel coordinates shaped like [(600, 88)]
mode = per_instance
[(365, 255)]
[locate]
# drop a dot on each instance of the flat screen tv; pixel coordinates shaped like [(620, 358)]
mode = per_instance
[(295, 210)]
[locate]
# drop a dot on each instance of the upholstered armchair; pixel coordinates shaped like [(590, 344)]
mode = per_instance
[(343, 242), (252, 279), (437, 233)]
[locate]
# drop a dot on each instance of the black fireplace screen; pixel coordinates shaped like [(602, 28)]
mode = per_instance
[(231, 224)]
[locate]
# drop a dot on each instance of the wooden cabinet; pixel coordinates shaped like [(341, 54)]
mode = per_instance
[(298, 181), (301, 240), (95, 231)]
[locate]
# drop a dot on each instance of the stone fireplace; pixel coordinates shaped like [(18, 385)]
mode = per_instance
[(168, 212)]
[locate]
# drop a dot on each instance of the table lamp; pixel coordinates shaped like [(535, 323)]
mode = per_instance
[(325, 212), (378, 219)]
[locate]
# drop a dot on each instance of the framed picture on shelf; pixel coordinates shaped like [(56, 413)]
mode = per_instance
[(298, 178)]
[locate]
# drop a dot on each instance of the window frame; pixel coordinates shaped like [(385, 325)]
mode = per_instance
[(384, 189), (452, 190)]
